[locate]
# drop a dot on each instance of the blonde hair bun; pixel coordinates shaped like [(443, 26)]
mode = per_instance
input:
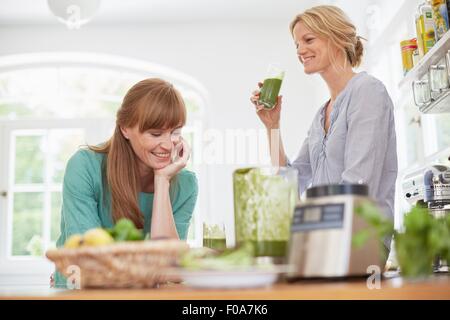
[(332, 23)]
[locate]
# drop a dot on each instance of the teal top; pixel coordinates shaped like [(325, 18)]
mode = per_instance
[(86, 203)]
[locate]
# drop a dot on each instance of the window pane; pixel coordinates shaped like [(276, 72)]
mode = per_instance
[(189, 137), (443, 130), (29, 163), (192, 104), (27, 224), (29, 83), (83, 91), (413, 131), (55, 218), (14, 109), (40, 92), (63, 143), (108, 108), (89, 81)]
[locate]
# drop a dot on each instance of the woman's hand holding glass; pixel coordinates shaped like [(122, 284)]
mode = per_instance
[(269, 117)]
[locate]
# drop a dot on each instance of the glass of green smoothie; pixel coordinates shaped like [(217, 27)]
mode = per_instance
[(271, 86), (214, 236)]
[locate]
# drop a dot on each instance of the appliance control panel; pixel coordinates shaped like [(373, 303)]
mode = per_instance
[(316, 217)]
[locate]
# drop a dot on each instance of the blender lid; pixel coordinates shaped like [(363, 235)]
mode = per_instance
[(337, 189)]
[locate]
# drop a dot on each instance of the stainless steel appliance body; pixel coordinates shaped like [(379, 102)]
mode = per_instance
[(430, 186), (321, 235)]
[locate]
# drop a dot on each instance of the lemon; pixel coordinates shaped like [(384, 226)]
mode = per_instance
[(74, 241), (97, 237)]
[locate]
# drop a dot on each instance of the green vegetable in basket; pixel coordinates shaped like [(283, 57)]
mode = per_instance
[(125, 230)]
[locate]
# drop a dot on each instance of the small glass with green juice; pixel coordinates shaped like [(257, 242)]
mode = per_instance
[(270, 90), (214, 236)]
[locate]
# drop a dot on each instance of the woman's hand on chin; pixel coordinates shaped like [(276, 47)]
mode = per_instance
[(180, 157)]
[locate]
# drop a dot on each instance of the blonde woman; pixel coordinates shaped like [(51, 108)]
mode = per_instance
[(137, 174), (352, 137)]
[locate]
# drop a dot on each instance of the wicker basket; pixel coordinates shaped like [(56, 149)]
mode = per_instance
[(121, 265)]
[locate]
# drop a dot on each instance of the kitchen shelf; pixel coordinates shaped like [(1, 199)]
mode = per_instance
[(440, 105), (436, 53)]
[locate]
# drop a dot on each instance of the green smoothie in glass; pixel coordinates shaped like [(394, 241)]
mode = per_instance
[(271, 87), (214, 236), (264, 202)]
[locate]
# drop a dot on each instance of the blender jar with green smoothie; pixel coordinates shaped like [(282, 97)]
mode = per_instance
[(264, 202), (268, 96)]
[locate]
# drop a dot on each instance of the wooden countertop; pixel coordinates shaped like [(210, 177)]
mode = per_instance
[(437, 287)]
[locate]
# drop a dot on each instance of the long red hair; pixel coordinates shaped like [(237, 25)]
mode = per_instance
[(150, 104)]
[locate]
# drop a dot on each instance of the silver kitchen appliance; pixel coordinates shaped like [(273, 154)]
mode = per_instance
[(430, 187), (321, 235)]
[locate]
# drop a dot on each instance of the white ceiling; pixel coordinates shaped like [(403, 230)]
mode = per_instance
[(18, 12)]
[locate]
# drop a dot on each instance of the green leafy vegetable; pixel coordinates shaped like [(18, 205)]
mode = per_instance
[(379, 227), (204, 258), (125, 230), (424, 239)]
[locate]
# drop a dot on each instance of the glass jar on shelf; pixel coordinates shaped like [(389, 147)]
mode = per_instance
[(421, 92), (438, 77)]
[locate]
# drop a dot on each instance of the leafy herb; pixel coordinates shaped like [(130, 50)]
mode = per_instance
[(382, 226), (379, 227), (423, 240)]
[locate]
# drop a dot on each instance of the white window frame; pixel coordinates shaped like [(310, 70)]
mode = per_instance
[(13, 265)]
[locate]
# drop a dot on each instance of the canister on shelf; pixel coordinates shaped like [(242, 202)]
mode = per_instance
[(438, 77), (421, 92), (440, 17), (408, 47), (425, 29)]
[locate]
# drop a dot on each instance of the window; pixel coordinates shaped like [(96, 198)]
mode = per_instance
[(413, 133), (39, 158), (50, 105), (442, 127)]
